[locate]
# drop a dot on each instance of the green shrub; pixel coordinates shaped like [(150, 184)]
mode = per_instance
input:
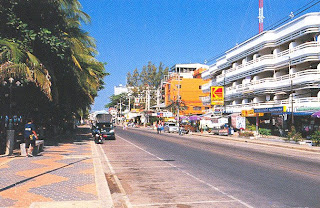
[(266, 132), (294, 135), (291, 133), (316, 137), (251, 127)]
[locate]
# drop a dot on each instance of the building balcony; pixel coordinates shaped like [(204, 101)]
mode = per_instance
[(206, 100), (299, 27), (206, 87), (306, 78), (205, 75), (305, 52)]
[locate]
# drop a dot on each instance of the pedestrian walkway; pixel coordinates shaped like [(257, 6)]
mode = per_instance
[(62, 176), (269, 141)]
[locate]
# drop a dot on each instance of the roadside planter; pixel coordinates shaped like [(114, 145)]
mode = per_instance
[(306, 142)]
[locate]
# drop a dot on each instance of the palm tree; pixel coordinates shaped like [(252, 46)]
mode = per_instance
[(175, 105), (23, 64)]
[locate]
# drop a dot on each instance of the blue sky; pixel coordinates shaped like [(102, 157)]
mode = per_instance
[(129, 33)]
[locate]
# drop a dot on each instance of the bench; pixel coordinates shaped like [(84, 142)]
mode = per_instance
[(38, 148)]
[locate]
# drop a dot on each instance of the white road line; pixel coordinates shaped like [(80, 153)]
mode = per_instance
[(195, 202), (116, 179), (119, 153), (196, 178), (143, 167), (119, 145)]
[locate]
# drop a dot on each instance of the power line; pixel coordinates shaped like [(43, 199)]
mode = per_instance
[(293, 14), (279, 22)]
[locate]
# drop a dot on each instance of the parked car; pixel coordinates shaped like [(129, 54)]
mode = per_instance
[(170, 127)]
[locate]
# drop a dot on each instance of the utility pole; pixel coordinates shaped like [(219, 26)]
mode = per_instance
[(292, 118), (178, 98), (224, 93), (291, 89), (120, 107)]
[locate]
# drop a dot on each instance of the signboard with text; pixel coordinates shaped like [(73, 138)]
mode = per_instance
[(270, 110), (217, 95), (250, 113)]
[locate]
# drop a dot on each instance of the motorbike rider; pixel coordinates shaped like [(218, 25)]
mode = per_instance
[(96, 131)]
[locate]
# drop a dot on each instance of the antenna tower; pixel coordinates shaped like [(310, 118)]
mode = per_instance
[(261, 17)]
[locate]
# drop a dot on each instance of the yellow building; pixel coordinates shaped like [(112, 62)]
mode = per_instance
[(184, 84)]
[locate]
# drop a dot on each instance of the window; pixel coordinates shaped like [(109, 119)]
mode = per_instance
[(197, 108)]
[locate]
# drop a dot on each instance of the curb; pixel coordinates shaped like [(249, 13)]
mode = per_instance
[(102, 186), (255, 141)]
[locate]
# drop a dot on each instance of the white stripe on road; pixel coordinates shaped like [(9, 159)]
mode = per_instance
[(150, 167), (196, 178), (195, 202)]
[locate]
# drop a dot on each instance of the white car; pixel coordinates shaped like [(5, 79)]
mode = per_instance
[(170, 127)]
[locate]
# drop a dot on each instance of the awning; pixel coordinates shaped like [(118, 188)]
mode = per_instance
[(295, 113), (316, 114)]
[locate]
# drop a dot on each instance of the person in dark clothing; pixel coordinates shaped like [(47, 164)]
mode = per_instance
[(30, 137)]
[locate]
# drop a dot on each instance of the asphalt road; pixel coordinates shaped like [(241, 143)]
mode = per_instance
[(169, 170)]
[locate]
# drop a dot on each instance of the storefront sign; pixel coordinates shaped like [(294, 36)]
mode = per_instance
[(270, 110), (164, 114), (217, 95), (250, 113), (308, 109)]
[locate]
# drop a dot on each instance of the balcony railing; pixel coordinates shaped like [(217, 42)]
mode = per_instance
[(206, 87), (273, 82), (313, 44), (206, 99)]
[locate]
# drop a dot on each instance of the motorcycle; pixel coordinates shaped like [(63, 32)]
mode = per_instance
[(98, 139)]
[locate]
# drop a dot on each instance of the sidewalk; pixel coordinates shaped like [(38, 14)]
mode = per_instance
[(66, 175), (269, 141)]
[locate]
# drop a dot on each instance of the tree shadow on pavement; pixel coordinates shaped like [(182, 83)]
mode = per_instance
[(81, 134)]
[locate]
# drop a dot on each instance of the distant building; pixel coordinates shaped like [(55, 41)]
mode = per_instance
[(120, 89), (183, 84)]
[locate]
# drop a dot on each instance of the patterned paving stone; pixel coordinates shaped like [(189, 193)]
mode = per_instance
[(61, 173)]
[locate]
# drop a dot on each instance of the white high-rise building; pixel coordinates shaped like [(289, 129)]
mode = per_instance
[(120, 89), (276, 68)]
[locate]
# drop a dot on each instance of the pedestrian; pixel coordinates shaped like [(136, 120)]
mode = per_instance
[(158, 127), (30, 137)]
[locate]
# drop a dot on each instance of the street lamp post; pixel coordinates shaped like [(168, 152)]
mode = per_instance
[(10, 131)]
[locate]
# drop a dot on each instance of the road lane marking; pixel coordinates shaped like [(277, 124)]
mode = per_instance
[(195, 202), (259, 161), (116, 179), (143, 167), (119, 145), (194, 177)]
